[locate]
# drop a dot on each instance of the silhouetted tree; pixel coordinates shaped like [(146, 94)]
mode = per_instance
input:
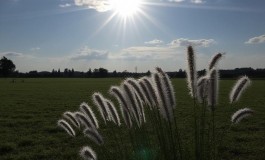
[(59, 72), (6, 67), (101, 72), (148, 73), (89, 72)]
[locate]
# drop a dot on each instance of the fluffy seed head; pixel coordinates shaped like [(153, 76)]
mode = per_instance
[(151, 90), (101, 105), (142, 113), (191, 71), (164, 103), (88, 111), (124, 108), (93, 134), (87, 153), (84, 120), (113, 112), (168, 87), (71, 117), (215, 59), (66, 126), (149, 100), (213, 87), (241, 114), (135, 85), (241, 84), (131, 100), (202, 88)]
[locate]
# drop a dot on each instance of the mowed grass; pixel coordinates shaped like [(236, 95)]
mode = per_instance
[(30, 108)]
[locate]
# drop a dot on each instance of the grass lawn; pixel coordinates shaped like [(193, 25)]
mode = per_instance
[(30, 108)]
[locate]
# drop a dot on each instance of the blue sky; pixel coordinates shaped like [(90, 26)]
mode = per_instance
[(83, 34)]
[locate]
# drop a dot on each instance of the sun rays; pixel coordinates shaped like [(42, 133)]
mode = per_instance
[(126, 8)]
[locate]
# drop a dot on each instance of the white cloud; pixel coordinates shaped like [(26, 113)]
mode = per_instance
[(146, 53), (90, 54), (182, 42), (35, 48), (197, 1), (99, 5), (11, 54), (65, 5), (258, 39), (175, 0), (154, 42)]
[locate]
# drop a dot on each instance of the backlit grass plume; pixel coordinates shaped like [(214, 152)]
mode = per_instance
[(71, 117), (202, 85), (241, 114), (166, 142), (213, 88), (94, 135), (165, 107), (239, 88), (134, 83), (101, 105), (215, 59), (84, 120), (191, 71), (134, 107), (87, 153), (124, 108), (149, 100), (66, 126), (169, 87), (88, 111), (113, 112), (148, 83)]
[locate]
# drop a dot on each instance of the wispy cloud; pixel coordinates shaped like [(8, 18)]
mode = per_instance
[(65, 5), (182, 42), (146, 53), (99, 5), (90, 54), (35, 48), (11, 54), (198, 1), (258, 39), (154, 42), (192, 1), (176, 0)]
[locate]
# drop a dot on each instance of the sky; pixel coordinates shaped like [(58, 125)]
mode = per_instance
[(56, 34)]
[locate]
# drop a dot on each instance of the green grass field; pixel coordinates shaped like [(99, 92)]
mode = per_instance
[(30, 108)]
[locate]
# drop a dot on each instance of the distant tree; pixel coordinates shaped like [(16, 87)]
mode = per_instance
[(65, 73), (59, 72), (53, 72), (33, 73), (6, 67), (114, 74), (148, 73), (89, 72), (101, 72)]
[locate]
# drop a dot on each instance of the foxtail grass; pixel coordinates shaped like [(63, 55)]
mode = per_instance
[(241, 114), (89, 112), (191, 71), (87, 153), (71, 117), (94, 135), (152, 99), (215, 59), (66, 126), (239, 87), (101, 105)]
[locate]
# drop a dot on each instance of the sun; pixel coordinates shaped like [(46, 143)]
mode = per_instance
[(126, 8)]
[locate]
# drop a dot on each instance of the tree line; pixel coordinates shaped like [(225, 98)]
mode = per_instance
[(7, 69)]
